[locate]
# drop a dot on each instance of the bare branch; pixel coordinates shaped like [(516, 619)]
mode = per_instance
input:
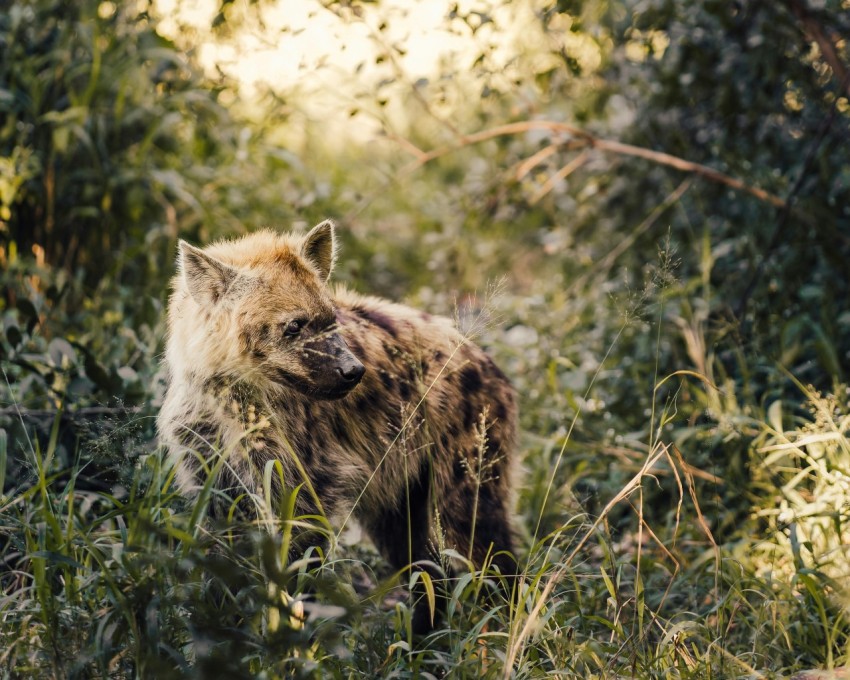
[(563, 173), (409, 146), (606, 145), (687, 166), (534, 160)]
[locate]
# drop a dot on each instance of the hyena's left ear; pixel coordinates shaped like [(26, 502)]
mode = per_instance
[(320, 248)]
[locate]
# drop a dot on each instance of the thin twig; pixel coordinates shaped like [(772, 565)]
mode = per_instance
[(85, 412), (409, 146), (563, 173), (605, 263), (687, 166), (534, 160)]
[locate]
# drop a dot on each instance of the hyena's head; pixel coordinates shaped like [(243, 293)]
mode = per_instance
[(259, 309)]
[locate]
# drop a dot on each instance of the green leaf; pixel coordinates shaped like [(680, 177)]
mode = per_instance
[(97, 374), (59, 350), (57, 558), (14, 336), (28, 311)]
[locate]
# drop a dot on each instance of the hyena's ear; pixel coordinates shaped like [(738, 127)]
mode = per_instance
[(320, 248), (207, 278)]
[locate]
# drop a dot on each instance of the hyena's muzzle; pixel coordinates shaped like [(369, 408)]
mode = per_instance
[(332, 370)]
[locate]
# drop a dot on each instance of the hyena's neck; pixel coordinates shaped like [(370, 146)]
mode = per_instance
[(231, 397), (237, 400)]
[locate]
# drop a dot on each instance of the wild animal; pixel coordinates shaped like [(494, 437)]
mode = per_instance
[(379, 410)]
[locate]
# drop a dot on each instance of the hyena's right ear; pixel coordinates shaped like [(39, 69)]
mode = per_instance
[(207, 278)]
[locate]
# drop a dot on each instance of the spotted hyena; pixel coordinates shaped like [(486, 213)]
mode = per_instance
[(380, 411)]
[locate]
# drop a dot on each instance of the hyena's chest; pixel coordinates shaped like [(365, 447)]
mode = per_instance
[(368, 422), (362, 447), (355, 453)]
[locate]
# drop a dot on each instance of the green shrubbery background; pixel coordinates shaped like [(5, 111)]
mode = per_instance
[(680, 338)]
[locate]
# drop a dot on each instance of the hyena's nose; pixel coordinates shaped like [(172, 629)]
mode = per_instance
[(351, 371)]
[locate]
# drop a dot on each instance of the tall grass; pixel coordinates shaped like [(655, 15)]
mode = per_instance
[(639, 556), (140, 583)]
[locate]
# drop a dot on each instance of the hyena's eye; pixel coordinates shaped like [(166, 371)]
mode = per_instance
[(293, 328)]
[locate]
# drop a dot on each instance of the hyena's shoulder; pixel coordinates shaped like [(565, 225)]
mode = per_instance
[(367, 314), (414, 351)]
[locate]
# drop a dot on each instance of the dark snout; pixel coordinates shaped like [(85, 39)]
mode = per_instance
[(328, 369), (351, 369), (337, 371)]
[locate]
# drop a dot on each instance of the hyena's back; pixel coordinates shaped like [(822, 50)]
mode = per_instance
[(432, 410)]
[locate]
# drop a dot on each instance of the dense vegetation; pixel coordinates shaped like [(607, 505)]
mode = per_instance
[(641, 208)]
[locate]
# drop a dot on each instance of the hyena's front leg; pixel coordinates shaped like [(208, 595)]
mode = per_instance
[(403, 534)]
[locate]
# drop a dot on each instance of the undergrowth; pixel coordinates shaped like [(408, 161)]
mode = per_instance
[(684, 501), (645, 579)]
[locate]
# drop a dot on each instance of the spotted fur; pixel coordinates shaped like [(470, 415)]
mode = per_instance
[(266, 363)]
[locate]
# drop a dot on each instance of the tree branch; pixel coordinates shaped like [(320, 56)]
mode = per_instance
[(815, 32), (605, 145), (563, 173)]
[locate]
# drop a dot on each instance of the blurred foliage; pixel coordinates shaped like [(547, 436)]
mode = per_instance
[(113, 142), (684, 504)]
